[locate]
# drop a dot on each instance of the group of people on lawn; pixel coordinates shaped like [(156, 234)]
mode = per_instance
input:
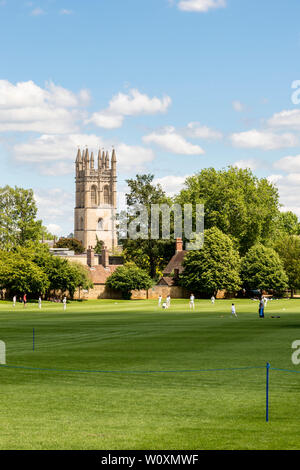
[(167, 303)]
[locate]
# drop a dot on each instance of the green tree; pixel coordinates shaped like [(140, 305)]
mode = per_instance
[(150, 254), (263, 269), (62, 275), (214, 267), (18, 213), (288, 248), (99, 246), (71, 244), (21, 275), (287, 223), (127, 278), (237, 202)]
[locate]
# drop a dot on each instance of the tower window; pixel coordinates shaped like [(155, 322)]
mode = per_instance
[(81, 223), (106, 195), (100, 224), (94, 195)]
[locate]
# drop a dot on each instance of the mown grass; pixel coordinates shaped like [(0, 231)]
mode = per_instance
[(145, 388)]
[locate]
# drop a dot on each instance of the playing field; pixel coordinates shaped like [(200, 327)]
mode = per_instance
[(127, 375)]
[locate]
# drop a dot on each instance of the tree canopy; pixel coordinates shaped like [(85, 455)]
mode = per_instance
[(152, 255), (18, 213), (127, 278), (235, 201), (263, 269), (214, 267)]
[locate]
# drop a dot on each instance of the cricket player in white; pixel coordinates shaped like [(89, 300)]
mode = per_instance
[(40, 303), (233, 312), (65, 302), (14, 300), (168, 301), (192, 301), (159, 300)]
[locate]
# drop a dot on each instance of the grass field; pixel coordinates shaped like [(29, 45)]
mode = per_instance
[(148, 395)]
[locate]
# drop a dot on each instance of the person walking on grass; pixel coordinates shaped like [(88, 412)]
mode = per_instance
[(192, 301), (168, 301), (261, 308), (14, 300), (159, 300), (213, 299), (65, 302), (40, 302), (24, 300), (233, 311)]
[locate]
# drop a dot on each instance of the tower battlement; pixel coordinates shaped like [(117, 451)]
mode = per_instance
[(96, 198)]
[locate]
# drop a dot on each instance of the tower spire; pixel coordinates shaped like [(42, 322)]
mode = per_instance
[(92, 161)]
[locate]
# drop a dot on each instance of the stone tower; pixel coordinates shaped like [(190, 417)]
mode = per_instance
[(96, 199)]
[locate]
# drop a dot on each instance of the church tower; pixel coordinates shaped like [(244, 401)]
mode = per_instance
[(96, 199)]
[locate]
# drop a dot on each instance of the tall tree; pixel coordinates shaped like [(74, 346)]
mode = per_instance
[(288, 248), (235, 201), (215, 267), (149, 254), (18, 213), (263, 269)]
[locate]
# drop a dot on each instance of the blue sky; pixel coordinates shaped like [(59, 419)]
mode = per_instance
[(173, 85)]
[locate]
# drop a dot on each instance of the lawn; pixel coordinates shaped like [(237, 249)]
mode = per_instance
[(127, 375)]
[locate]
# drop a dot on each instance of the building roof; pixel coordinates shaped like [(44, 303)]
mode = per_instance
[(99, 274), (175, 263), (166, 281)]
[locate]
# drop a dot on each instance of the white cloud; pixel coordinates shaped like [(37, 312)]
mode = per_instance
[(266, 140), (289, 164), (132, 104), (26, 107), (54, 229), (286, 119), (238, 106), (251, 163), (64, 11), (200, 5), (196, 131), (55, 154), (38, 12), (106, 120), (55, 208), (173, 142), (171, 184)]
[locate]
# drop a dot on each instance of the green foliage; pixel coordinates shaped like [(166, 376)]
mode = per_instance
[(235, 201), (20, 274), (99, 245), (33, 269), (214, 267), (288, 248), (18, 222), (149, 254), (263, 269), (71, 244), (287, 224), (127, 278)]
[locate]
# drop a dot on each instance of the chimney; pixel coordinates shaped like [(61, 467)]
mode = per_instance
[(90, 257), (179, 245), (105, 257)]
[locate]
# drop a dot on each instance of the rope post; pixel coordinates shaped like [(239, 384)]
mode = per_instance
[(267, 390)]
